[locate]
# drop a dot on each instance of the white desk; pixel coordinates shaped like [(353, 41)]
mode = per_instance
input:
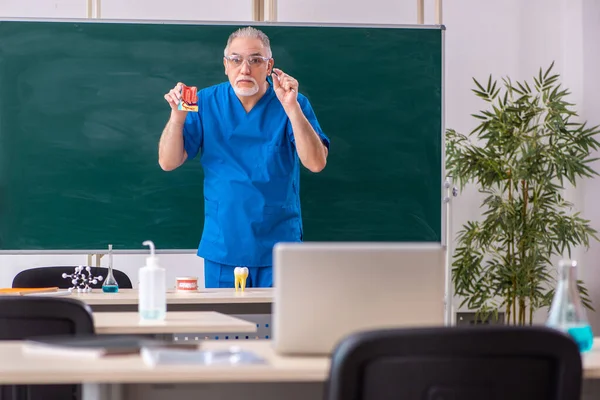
[(17, 368), (176, 322), (127, 377), (226, 301), (253, 304)]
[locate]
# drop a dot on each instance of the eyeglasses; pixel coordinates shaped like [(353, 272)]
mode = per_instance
[(253, 61)]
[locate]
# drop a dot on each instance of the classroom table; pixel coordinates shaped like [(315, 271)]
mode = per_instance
[(226, 301), (128, 377), (253, 305), (111, 323)]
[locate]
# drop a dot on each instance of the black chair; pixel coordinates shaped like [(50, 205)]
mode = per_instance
[(52, 277), (22, 317), (456, 363)]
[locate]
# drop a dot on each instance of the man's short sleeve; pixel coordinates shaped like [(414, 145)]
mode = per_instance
[(312, 119), (192, 134)]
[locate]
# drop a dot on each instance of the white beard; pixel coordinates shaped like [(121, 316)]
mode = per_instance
[(246, 91)]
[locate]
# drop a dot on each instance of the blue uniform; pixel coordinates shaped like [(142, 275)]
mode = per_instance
[(251, 181)]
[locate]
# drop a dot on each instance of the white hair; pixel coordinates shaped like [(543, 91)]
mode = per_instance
[(253, 33)]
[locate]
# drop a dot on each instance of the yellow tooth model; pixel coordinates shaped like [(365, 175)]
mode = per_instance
[(241, 274)]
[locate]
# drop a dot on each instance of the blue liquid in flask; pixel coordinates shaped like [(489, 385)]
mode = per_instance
[(110, 284), (110, 288), (567, 313), (583, 336)]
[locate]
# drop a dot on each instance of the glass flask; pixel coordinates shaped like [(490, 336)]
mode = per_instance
[(567, 313), (110, 284)]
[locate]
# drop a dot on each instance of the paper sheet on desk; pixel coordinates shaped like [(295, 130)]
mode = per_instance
[(50, 294), (227, 357)]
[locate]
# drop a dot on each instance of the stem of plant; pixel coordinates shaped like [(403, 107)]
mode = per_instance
[(523, 250), (511, 256), (530, 315)]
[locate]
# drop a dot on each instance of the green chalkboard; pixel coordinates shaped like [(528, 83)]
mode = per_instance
[(82, 110)]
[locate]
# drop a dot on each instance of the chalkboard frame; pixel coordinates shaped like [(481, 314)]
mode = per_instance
[(445, 201)]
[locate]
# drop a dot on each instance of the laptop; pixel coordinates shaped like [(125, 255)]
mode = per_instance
[(324, 291)]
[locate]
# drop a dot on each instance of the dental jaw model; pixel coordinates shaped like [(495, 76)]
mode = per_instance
[(240, 274)]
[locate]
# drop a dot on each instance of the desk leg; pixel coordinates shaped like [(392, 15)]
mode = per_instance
[(102, 391)]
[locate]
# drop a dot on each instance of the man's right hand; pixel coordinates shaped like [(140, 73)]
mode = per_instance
[(173, 98)]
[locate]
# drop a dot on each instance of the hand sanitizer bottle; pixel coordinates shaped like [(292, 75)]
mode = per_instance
[(152, 302)]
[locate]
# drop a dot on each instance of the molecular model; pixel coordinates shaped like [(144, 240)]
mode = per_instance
[(80, 281)]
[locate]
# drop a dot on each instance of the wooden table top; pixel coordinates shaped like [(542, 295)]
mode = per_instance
[(19, 368), (202, 296), (175, 322)]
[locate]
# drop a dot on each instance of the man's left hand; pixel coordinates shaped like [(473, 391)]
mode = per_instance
[(286, 88)]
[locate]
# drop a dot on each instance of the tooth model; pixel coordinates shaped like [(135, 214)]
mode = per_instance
[(241, 274)]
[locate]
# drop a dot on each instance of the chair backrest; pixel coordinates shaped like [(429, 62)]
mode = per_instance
[(52, 277), (27, 316), (458, 363)]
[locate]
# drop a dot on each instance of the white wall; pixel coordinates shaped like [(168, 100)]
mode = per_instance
[(590, 190), (207, 10), (43, 8), (344, 11), (509, 37)]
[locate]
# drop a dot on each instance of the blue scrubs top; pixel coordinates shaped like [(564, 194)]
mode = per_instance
[(251, 174)]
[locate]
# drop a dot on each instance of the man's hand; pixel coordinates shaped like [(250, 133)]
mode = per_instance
[(286, 88), (171, 151), (310, 148), (173, 98)]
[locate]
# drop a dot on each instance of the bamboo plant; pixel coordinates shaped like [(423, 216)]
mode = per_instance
[(525, 148)]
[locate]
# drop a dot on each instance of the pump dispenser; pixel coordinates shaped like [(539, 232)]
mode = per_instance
[(152, 302)]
